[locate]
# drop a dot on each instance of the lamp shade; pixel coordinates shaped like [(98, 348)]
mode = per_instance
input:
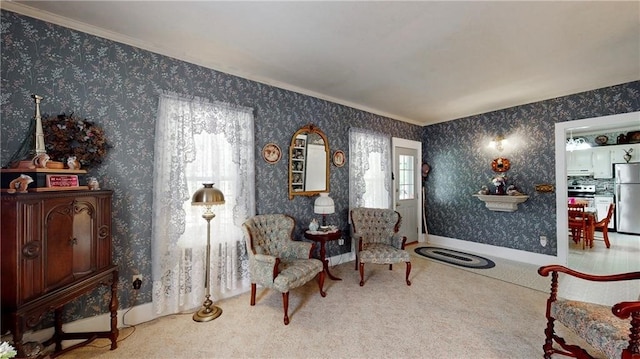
[(207, 196), (324, 204)]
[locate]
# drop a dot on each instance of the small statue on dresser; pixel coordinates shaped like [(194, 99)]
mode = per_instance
[(73, 163), (20, 184)]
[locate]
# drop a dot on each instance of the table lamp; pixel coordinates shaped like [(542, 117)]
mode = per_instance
[(324, 205), (207, 196)]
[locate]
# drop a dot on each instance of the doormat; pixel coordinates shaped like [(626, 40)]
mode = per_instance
[(455, 257)]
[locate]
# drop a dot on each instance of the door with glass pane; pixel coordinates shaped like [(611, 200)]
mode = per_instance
[(407, 198)]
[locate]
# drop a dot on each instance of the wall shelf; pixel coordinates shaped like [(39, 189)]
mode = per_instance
[(501, 203)]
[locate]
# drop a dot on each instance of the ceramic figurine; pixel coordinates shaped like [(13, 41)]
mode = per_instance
[(313, 226), (627, 155), (73, 163), (20, 184), (93, 184)]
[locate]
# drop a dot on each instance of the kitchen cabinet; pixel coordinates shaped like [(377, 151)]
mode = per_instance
[(602, 167), (56, 246), (618, 152), (579, 163)]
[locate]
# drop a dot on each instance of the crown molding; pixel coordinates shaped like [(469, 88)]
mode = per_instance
[(29, 11)]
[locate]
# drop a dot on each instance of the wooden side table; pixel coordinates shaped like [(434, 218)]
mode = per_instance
[(324, 237)]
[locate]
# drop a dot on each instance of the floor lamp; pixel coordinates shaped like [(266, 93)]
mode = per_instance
[(207, 196)]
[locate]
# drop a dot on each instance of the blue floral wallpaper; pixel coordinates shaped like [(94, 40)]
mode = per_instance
[(461, 164), (117, 86)]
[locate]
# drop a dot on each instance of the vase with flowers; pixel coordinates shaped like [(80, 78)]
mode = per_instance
[(7, 351), (500, 182), (68, 136)]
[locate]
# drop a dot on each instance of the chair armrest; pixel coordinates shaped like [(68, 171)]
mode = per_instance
[(624, 310), (264, 268), (545, 270), (398, 241), (296, 250), (265, 259)]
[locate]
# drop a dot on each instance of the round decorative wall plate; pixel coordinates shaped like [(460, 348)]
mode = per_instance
[(338, 158), (271, 153), (602, 139), (500, 164)]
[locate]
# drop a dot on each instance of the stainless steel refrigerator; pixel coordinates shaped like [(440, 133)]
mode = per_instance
[(627, 197)]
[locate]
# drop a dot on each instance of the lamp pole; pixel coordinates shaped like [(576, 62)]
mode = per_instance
[(208, 311)]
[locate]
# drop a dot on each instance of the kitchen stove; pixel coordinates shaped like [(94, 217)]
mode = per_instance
[(588, 191), (582, 193)]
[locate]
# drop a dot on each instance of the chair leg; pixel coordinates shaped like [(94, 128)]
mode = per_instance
[(408, 271), (390, 266), (321, 283), (605, 236), (361, 274), (285, 306), (548, 341), (253, 294)]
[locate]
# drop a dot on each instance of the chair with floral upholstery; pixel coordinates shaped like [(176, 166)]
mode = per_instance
[(375, 230), (613, 330), (276, 261)]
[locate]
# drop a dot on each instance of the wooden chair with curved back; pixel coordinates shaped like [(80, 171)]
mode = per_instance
[(578, 223), (614, 330), (603, 225)]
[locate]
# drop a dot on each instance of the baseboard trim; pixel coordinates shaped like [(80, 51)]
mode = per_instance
[(342, 258), (491, 250)]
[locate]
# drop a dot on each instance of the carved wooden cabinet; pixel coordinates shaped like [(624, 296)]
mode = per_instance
[(56, 246)]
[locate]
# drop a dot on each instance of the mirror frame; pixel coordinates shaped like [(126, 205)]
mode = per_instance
[(310, 128)]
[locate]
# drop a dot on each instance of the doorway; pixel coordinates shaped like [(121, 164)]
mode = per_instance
[(562, 131), (407, 198)]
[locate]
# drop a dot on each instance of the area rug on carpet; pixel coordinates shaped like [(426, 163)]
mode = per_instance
[(523, 274), (450, 256)]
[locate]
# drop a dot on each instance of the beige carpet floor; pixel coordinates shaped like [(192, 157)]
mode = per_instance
[(447, 313)]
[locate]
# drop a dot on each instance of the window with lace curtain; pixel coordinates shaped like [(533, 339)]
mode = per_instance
[(198, 142), (369, 169)]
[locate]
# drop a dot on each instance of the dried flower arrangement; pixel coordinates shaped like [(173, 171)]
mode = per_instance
[(66, 136)]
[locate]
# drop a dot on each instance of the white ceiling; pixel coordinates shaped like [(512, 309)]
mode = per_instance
[(419, 62)]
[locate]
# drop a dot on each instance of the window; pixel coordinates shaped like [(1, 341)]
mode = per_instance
[(198, 142), (369, 169)]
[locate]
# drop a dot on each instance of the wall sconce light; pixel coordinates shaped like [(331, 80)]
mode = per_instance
[(498, 143)]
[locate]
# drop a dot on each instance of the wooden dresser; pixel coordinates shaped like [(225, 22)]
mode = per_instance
[(55, 247)]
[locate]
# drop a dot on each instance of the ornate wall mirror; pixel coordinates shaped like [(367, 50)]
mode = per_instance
[(308, 162)]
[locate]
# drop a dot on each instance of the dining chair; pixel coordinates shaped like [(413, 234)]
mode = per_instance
[(603, 225), (578, 222)]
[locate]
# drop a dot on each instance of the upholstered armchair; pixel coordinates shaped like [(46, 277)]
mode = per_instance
[(276, 261), (375, 230), (613, 330)]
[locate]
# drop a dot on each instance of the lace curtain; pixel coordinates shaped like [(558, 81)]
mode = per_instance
[(198, 141), (369, 169)]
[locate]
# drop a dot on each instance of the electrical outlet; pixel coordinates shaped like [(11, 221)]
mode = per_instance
[(341, 241), (137, 281), (543, 241)]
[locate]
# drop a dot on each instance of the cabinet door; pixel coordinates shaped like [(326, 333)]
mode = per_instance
[(69, 243), (84, 234), (579, 162), (58, 243), (619, 153), (602, 167)]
